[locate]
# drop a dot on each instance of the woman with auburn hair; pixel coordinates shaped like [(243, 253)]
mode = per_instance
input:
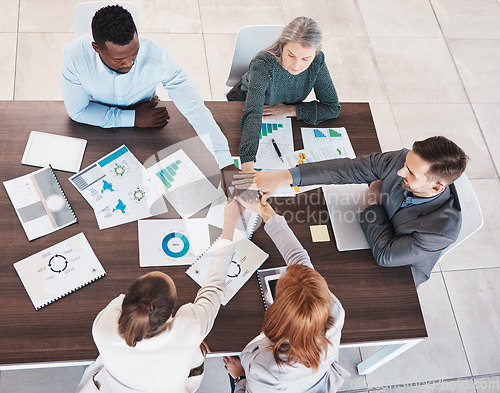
[(298, 348), (279, 79), (143, 346)]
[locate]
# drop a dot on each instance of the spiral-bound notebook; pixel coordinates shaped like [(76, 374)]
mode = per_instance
[(268, 279), (40, 203), (246, 260), (59, 270)]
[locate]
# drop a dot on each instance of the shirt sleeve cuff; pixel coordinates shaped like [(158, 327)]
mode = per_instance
[(297, 178), (223, 158), (127, 118)]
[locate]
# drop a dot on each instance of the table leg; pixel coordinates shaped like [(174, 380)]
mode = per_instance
[(383, 355)]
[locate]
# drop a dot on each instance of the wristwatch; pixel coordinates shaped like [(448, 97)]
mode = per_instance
[(239, 378)]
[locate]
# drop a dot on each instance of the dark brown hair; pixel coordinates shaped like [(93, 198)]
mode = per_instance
[(297, 320), (448, 161), (148, 304)]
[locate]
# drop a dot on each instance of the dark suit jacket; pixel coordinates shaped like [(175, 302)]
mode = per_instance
[(414, 235)]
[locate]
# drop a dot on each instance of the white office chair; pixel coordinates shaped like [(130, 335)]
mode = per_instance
[(250, 40), (84, 12), (472, 217)]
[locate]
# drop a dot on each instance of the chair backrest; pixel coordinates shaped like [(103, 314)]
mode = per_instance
[(250, 41), (84, 12), (472, 217)]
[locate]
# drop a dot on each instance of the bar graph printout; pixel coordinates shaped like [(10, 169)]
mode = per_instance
[(183, 183), (281, 131), (328, 142)]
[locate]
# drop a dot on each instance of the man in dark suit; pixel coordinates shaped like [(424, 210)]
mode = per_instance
[(413, 210)]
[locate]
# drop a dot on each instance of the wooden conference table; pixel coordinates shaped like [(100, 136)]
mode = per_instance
[(381, 304)]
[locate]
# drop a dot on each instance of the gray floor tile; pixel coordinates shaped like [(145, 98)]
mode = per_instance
[(418, 70), (349, 358), (484, 385), (57, 16), (227, 16), (475, 297), (8, 66), (468, 19), (38, 68), (169, 16), (41, 380), (354, 70), (9, 16), (407, 18), (481, 249), (455, 121), (335, 17), (439, 356), (387, 129), (477, 62), (460, 386), (219, 49), (488, 116)]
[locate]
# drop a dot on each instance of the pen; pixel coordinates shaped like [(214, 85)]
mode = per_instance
[(277, 149)]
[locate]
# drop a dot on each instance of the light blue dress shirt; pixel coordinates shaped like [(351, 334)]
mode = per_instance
[(92, 92)]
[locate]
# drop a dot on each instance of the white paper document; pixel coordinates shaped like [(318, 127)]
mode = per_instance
[(328, 142), (61, 152), (59, 270), (172, 242), (281, 131), (183, 184), (246, 260)]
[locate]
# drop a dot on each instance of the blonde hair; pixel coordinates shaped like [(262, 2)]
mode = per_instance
[(298, 319), (148, 304), (304, 30)]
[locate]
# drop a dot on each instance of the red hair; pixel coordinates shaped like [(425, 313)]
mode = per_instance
[(297, 320)]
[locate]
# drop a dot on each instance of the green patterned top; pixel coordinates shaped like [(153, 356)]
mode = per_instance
[(267, 83)]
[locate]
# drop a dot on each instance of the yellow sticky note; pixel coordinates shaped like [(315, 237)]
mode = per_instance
[(319, 233)]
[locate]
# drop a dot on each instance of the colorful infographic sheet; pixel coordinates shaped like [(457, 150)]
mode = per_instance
[(281, 131), (183, 184), (172, 242), (119, 190), (328, 142), (246, 260)]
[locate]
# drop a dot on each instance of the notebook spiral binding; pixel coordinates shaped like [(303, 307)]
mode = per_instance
[(63, 193), (262, 291), (69, 292)]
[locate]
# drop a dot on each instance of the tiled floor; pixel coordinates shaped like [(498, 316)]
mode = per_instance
[(427, 67)]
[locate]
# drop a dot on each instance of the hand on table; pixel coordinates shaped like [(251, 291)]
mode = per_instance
[(149, 114), (280, 110), (233, 366)]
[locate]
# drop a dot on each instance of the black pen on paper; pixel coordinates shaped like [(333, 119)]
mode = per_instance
[(277, 149)]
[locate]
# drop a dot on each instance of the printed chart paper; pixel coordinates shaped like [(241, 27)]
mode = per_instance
[(172, 242), (246, 260), (328, 142), (40, 203), (183, 184), (118, 189), (281, 131), (59, 270)]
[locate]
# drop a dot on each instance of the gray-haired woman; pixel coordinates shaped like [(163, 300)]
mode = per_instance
[(279, 79)]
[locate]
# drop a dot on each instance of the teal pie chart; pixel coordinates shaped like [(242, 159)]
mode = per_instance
[(175, 245)]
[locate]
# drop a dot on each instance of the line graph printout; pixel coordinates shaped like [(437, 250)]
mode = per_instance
[(183, 183), (281, 131), (329, 142)]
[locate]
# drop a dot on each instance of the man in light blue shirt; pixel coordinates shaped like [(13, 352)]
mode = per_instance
[(109, 80)]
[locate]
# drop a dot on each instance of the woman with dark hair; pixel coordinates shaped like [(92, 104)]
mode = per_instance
[(298, 348), (143, 346), (279, 79)]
